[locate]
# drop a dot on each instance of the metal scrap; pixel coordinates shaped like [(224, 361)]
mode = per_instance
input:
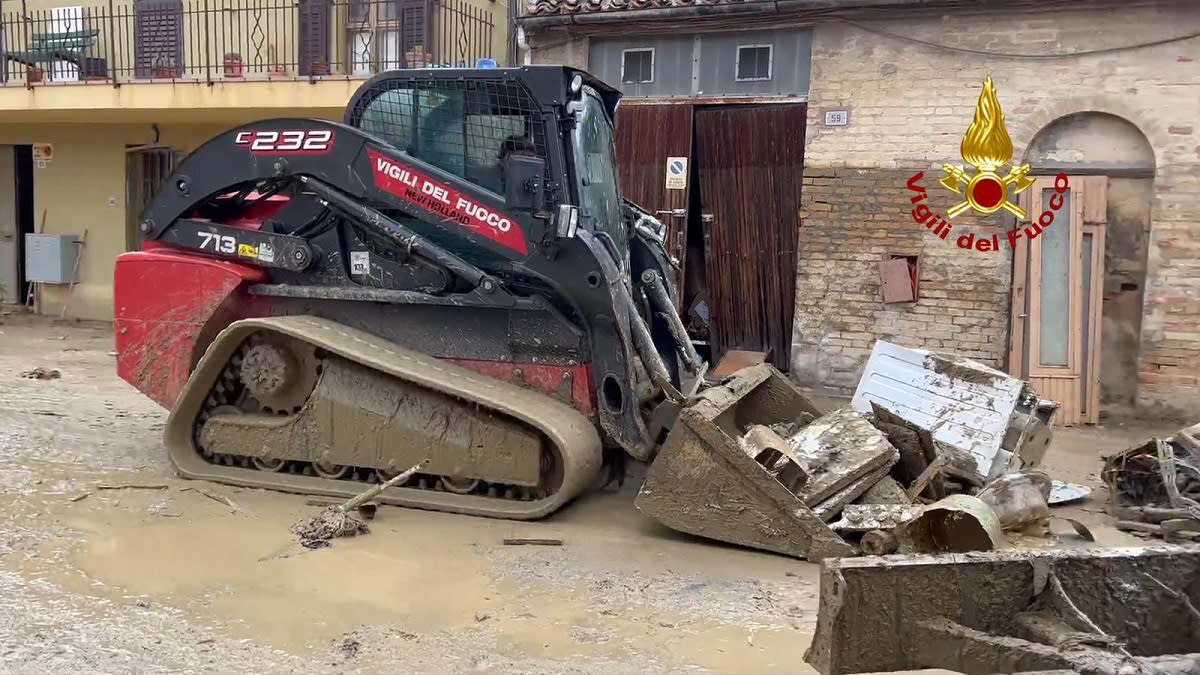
[(1062, 493), (956, 524), (1019, 499), (770, 450), (994, 418), (865, 517)]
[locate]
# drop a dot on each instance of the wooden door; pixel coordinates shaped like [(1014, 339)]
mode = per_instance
[(751, 165), (647, 135), (10, 238), (1057, 282)]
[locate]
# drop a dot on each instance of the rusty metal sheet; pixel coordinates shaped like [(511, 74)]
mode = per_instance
[(736, 359), (646, 135), (751, 164), (896, 282)]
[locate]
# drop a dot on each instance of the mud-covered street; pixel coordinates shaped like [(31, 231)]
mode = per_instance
[(110, 564)]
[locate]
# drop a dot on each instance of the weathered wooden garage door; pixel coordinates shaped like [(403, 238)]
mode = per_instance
[(751, 162), (646, 136)]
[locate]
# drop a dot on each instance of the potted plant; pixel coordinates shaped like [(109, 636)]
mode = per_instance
[(164, 68), (233, 64), (34, 73), (277, 70), (417, 57), (320, 69)]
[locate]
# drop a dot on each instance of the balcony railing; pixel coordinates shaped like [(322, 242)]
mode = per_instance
[(233, 40)]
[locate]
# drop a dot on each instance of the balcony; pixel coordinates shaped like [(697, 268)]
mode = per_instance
[(211, 41)]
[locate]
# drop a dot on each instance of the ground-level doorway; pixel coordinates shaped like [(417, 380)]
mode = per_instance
[(725, 178), (146, 168), (1078, 290), (1058, 280), (16, 219)]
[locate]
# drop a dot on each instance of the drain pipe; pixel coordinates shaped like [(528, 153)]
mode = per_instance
[(523, 47)]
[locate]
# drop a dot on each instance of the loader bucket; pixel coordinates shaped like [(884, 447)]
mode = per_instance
[(704, 483), (1122, 610)]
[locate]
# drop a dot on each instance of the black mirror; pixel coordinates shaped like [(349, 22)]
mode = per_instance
[(523, 176)]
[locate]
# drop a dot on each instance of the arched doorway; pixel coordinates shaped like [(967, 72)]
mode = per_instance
[(1078, 284)]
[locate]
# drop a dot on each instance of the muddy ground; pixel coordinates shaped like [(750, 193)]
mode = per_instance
[(155, 575)]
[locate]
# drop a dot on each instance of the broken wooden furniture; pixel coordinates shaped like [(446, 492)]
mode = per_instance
[(1154, 486), (1130, 610)]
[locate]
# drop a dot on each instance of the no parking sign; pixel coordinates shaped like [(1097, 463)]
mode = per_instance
[(677, 173)]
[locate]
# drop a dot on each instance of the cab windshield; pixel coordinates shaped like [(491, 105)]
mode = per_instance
[(599, 199)]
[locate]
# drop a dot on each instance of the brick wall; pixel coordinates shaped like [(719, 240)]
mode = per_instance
[(909, 106), (852, 217)]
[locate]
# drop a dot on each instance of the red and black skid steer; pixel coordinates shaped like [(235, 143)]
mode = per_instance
[(451, 275)]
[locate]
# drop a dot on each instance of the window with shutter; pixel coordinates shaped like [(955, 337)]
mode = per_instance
[(388, 35), (158, 38), (314, 36), (145, 171), (65, 20)]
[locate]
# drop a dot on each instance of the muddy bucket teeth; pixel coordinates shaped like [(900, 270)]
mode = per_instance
[(704, 483)]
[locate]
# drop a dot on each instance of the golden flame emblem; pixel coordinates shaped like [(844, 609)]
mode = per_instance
[(987, 147)]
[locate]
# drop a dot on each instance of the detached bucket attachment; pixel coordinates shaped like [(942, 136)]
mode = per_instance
[(705, 483), (1124, 610)]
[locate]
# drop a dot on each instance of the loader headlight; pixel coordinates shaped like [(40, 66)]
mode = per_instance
[(568, 221), (576, 84)]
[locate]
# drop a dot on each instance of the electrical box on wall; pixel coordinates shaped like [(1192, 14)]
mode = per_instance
[(50, 258)]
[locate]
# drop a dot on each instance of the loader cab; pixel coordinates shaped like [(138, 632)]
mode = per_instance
[(594, 154), (470, 122)]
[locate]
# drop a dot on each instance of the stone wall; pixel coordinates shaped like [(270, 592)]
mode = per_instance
[(910, 104)]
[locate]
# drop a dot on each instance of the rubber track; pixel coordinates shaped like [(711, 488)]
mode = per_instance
[(577, 441)]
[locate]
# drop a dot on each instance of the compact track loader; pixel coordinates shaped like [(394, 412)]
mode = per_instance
[(451, 275)]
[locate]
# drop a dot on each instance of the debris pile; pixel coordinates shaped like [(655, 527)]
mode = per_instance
[(934, 453), (41, 373), (345, 520), (1154, 487)]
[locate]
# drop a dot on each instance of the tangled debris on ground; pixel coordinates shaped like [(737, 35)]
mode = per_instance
[(344, 520), (1154, 486), (41, 373)]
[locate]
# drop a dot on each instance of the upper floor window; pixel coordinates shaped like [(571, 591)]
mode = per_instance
[(753, 63), (637, 66)]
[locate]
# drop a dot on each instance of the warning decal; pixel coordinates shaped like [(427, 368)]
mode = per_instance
[(443, 200)]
